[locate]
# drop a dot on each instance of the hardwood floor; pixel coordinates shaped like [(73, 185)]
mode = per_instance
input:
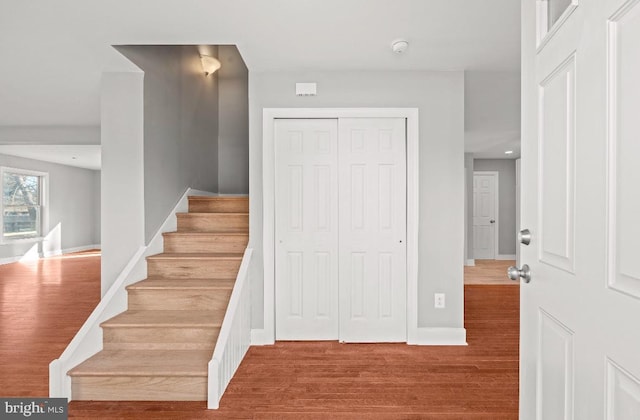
[(42, 309), (42, 305), (489, 272)]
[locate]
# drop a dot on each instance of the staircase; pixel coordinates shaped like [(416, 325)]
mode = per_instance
[(159, 348)]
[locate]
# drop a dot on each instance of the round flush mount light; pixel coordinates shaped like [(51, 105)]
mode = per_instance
[(399, 46), (508, 152)]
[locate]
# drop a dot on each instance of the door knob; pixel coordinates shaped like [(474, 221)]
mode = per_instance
[(524, 236), (492, 221), (523, 273)]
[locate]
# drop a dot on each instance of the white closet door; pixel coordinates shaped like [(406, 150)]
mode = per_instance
[(306, 283), (373, 220)]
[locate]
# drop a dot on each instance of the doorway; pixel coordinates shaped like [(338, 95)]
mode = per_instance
[(340, 229), (485, 215)]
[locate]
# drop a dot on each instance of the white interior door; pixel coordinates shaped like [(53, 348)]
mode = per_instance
[(373, 224), (484, 215), (306, 281), (580, 341)]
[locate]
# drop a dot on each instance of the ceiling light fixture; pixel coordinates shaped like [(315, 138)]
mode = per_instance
[(508, 152), (399, 46), (209, 64)]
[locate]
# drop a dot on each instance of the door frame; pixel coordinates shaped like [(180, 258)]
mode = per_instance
[(496, 197), (269, 115)]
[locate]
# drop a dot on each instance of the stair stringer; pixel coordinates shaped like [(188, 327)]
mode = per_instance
[(88, 340)]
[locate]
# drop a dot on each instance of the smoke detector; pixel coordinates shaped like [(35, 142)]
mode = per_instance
[(399, 46)]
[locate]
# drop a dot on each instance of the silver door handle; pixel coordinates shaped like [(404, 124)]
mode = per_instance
[(516, 273), (492, 221), (524, 236)]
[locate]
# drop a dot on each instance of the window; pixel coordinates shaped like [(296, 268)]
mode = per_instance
[(23, 204)]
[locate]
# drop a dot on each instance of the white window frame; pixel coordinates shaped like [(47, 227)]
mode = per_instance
[(44, 205)]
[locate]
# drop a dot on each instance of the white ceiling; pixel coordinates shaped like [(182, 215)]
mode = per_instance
[(53, 52), (81, 156)]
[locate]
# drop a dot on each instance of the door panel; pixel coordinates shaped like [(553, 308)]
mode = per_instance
[(484, 216), (306, 230), (624, 147), (372, 170), (556, 145), (581, 94)]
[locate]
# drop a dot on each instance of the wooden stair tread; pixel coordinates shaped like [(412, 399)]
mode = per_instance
[(218, 197), (145, 363), (182, 284), (176, 318), (211, 214), (204, 234), (195, 256)]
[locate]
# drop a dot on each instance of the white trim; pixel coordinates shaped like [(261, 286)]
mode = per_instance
[(544, 35), (234, 338), (267, 335), (70, 250), (440, 337), (259, 337), (10, 260), (504, 257), (88, 340), (471, 263), (496, 216), (44, 205)]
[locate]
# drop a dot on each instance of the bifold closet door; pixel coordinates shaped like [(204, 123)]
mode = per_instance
[(340, 269), (306, 275), (372, 225)]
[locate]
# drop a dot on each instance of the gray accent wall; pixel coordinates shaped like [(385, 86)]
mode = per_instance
[(506, 169), (180, 127), (73, 210), (233, 131), (439, 96)]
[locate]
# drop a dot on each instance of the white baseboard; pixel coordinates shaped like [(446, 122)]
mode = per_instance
[(471, 263), (440, 337), (259, 337), (70, 250), (503, 257), (10, 260)]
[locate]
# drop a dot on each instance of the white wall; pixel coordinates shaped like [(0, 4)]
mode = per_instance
[(492, 113), (180, 127), (62, 134), (439, 97), (72, 208), (233, 132), (122, 180), (506, 169), (468, 165)]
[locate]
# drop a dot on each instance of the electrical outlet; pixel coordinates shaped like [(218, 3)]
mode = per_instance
[(438, 300)]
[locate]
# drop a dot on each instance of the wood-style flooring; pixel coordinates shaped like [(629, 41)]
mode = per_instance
[(489, 272), (43, 305)]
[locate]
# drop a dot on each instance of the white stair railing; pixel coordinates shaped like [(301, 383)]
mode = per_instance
[(235, 335)]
